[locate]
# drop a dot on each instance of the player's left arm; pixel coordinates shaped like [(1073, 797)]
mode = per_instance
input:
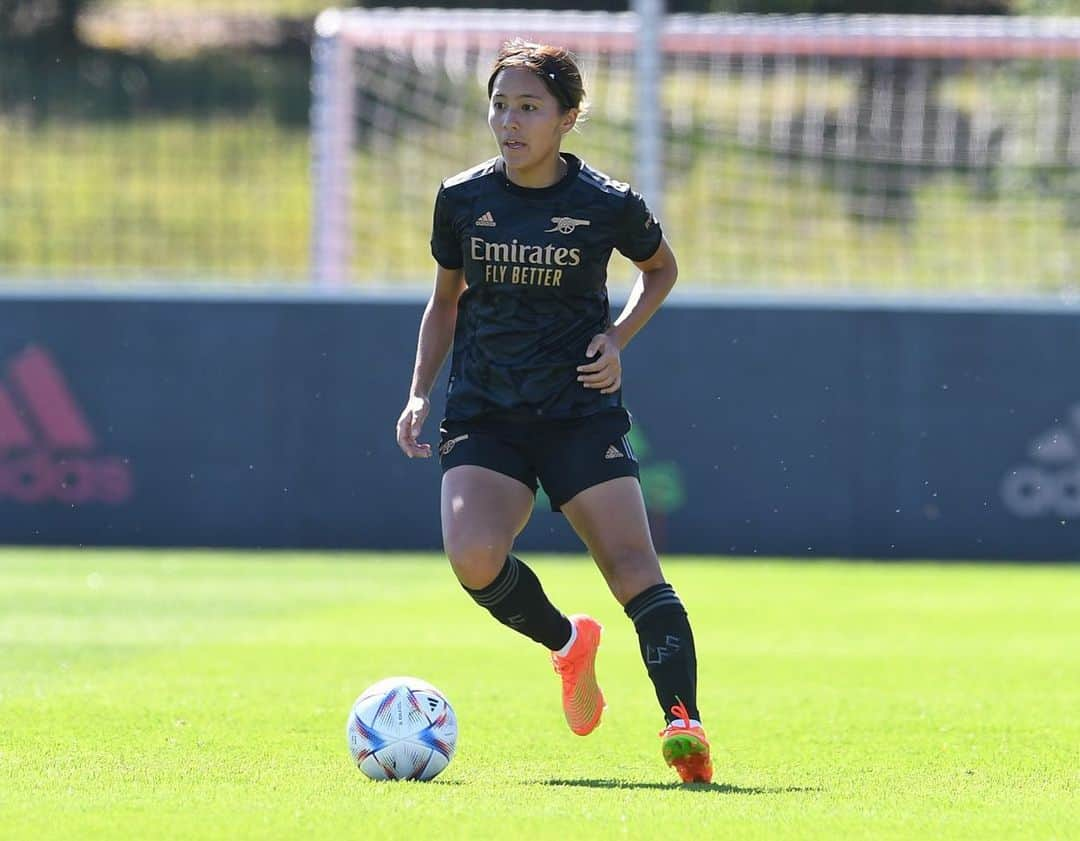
[(658, 276)]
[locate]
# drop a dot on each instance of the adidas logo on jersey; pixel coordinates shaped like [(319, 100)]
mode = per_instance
[(613, 452), (486, 221)]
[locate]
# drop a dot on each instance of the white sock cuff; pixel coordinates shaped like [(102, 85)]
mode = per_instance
[(562, 652)]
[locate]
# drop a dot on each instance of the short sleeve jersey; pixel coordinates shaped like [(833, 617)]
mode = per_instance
[(535, 262)]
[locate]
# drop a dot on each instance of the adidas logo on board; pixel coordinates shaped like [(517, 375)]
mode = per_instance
[(1049, 484), (47, 448)]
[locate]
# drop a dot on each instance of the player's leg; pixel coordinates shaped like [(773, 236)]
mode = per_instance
[(482, 512), (591, 475), (610, 518)]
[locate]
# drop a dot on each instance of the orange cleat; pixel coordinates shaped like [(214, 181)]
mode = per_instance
[(582, 700), (686, 749)]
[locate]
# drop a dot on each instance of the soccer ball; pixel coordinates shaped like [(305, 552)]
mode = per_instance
[(401, 728)]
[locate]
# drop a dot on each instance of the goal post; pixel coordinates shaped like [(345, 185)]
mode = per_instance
[(783, 153), (419, 38)]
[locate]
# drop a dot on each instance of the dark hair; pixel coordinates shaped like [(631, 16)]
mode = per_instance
[(554, 66)]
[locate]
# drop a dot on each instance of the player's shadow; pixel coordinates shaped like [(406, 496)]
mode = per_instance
[(715, 788)]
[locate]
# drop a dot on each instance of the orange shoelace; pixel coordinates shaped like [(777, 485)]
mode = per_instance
[(682, 718)]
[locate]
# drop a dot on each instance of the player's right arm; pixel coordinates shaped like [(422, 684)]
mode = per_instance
[(432, 346)]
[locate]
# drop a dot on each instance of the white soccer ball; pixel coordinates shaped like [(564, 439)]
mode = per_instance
[(401, 728)]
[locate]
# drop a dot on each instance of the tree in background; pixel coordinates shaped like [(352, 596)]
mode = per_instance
[(50, 67), (50, 24)]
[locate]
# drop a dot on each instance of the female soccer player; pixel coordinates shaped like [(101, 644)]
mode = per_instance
[(522, 243)]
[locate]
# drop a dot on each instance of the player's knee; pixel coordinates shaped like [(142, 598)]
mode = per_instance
[(476, 557), (629, 570)]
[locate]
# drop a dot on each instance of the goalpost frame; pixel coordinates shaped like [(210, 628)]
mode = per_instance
[(649, 34), (338, 32)]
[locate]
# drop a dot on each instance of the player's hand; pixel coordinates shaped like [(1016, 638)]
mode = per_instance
[(605, 372), (409, 425)]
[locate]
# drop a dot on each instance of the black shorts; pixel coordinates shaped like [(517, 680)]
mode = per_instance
[(566, 456)]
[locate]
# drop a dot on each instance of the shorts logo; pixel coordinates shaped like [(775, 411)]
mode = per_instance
[(446, 446), (613, 452), (566, 224), (486, 221)]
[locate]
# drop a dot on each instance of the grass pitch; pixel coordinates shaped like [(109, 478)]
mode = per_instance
[(204, 695)]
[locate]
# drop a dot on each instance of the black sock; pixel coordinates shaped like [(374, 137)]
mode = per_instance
[(517, 600), (667, 647)]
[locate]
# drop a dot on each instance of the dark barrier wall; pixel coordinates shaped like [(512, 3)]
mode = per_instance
[(853, 430)]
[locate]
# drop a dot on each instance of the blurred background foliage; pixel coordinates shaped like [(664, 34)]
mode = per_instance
[(118, 59), (172, 136)]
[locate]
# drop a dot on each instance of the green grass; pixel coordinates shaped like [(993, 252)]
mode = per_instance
[(204, 695)]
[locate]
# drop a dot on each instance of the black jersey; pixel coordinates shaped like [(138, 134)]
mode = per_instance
[(535, 263)]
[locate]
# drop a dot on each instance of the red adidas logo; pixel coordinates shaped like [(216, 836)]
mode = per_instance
[(46, 445)]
